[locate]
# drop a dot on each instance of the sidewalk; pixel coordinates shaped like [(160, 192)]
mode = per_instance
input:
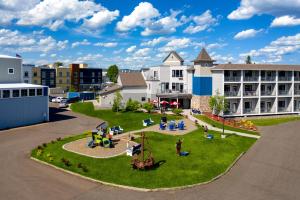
[(201, 123)]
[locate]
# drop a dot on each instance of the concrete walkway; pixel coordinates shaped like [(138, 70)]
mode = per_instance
[(202, 123)]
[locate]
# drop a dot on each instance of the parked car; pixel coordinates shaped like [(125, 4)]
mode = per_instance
[(63, 103), (57, 99), (73, 100), (50, 98)]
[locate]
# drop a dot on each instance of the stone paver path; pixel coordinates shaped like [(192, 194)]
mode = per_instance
[(202, 123)]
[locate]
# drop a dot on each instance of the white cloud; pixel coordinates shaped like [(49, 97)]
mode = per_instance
[(178, 43), (250, 33), (141, 13), (101, 19), (53, 14), (249, 8), (53, 55), (142, 52), (222, 58), (89, 57), (286, 20), (15, 41), (130, 49), (165, 25), (201, 23), (277, 49), (154, 42), (84, 42), (215, 46), (106, 44)]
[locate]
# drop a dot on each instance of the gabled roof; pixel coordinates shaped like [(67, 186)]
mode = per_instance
[(175, 54), (203, 56), (132, 79)]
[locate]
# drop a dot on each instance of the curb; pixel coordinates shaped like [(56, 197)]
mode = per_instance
[(141, 189)]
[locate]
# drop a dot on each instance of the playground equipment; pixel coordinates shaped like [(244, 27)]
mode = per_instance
[(99, 137), (135, 149), (116, 130), (139, 161)]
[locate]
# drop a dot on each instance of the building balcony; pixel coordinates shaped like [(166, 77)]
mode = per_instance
[(152, 78), (159, 91), (297, 109), (251, 78), (284, 78), (232, 78), (297, 92), (283, 109), (265, 110), (296, 78), (283, 92), (250, 93), (268, 78), (250, 111), (232, 94), (267, 93)]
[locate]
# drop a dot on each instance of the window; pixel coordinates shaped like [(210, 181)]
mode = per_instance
[(177, 73), (234, 73), (227, 88), (60, 81), (24, 93), (81, 74), (81, 80), (35, 81), (6, 93), (16, 93), (68, 74), (51, 82), (43, 74), (35, 74), (248, 105), (248, 73), (143, 98), (43, 82), (248, 88), (281, 87), (52, 74), (60, 74), (31, 92), (39, 92), (68, 81), (93, 80), (26, 74), (11, 71), (26, 81), (177, 87), (93, 74), (281, 104), (155, 74)]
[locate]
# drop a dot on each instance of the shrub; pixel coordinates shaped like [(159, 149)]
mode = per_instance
[(66, 162), (39, 152), (132, 105), (44, 145), (58, 139), (40, 147), (84, 169), (177, 111), (148, 106), (79, 165)]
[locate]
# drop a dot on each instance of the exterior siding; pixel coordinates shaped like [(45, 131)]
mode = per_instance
[(23, 111), (7, 63), (202, 86)]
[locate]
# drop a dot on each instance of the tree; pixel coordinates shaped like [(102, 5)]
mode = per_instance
[(57, 64), (112, 73), (72, 89), (117, 102), (218, 104), (248, 60), (148, 106), (177, 111)]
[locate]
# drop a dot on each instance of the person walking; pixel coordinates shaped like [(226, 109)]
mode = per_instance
[(178, 146), (205, 130)]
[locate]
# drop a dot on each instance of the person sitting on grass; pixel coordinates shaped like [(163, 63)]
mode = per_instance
[(205, 131), (178, 146)]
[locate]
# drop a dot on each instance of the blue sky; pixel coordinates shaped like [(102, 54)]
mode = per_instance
[(135, 34)]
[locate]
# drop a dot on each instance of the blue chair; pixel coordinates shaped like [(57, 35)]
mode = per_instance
[(181, 125), (210, 136), (171, 126), (162, 126)]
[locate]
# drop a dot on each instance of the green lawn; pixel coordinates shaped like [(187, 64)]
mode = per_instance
[(220, 125), (207, 159), (273, 121), (127, 120)]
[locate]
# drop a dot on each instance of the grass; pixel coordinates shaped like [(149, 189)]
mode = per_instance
[(207, 159), (129, 121), (274, 121), (220, 125)]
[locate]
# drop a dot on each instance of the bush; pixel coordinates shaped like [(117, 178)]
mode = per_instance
[(148, 106), (132, 105), (177, 111)]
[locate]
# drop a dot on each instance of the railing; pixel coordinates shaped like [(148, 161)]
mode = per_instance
[(266, 110), (268, 78), (283, 92), (284, 78), (232, 78), (297, 92), (152, 78), (250, 111), (159, 91), (229, 112), (297, 78), (250, 93), (282, 109), (266, 93), (232, 94), (251, 78)]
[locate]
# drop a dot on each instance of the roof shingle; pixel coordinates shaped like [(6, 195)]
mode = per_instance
[(132, 79)]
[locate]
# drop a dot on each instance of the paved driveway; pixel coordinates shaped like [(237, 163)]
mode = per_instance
[(270, 170)]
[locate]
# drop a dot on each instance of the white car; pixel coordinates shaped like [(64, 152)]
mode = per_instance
[(57, 99)]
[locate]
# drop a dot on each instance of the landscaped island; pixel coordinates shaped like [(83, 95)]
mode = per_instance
[(207, 159)]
